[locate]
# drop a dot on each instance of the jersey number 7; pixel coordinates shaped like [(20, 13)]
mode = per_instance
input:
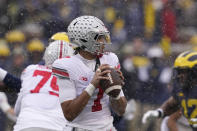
[(97, 102), (46, 75)]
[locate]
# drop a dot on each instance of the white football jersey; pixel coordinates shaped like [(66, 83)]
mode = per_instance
[(38, 101), (79, 71)]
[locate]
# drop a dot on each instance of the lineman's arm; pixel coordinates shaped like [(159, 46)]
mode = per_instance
[(10, 81)]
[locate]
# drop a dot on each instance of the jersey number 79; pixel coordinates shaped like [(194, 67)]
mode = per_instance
[(46, 75)]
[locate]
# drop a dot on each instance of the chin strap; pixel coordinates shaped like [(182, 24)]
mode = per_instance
[(98, 63)]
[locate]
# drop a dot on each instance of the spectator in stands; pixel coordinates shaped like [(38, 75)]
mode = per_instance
[(35, 50), (15, 38), (153, 80)]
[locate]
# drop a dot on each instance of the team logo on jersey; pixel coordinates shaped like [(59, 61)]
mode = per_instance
[(84, 78)]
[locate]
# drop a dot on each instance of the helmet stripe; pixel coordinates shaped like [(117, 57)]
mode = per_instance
[(61, 48)]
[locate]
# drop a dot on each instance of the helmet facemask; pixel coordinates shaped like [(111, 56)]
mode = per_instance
[(98, 42), (186, 77), (182, 77)]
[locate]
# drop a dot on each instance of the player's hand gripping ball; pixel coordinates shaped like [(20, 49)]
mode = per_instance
[(113, 86)]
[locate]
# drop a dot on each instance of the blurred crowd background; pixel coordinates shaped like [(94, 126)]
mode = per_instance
[(147, 35)]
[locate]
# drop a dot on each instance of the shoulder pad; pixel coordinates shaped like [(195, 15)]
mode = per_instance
[(61, 73), (64, 68)]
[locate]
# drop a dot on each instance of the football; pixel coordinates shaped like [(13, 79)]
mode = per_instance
[(113, 86)]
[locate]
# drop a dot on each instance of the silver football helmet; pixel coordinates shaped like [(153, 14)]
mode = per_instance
[(85, 31), (55, 50)]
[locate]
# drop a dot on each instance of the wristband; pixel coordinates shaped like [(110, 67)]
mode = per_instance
[(161, 113), (2, 74), (90, 89)]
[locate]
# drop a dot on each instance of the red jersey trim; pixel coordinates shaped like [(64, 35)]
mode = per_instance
[(59, 72)]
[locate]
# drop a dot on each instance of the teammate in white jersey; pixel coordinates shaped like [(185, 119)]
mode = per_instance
[(83, 102), (38, 106)]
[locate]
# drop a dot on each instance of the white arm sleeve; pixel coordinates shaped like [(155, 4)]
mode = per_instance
[(2, 74), (4, 103), (67, 90)]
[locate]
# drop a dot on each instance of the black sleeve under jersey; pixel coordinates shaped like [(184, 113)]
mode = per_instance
[(12, 82)]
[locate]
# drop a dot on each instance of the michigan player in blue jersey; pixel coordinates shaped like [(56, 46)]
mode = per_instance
[(184, 95)]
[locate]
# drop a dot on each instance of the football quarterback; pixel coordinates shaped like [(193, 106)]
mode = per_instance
[(83, 101)]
